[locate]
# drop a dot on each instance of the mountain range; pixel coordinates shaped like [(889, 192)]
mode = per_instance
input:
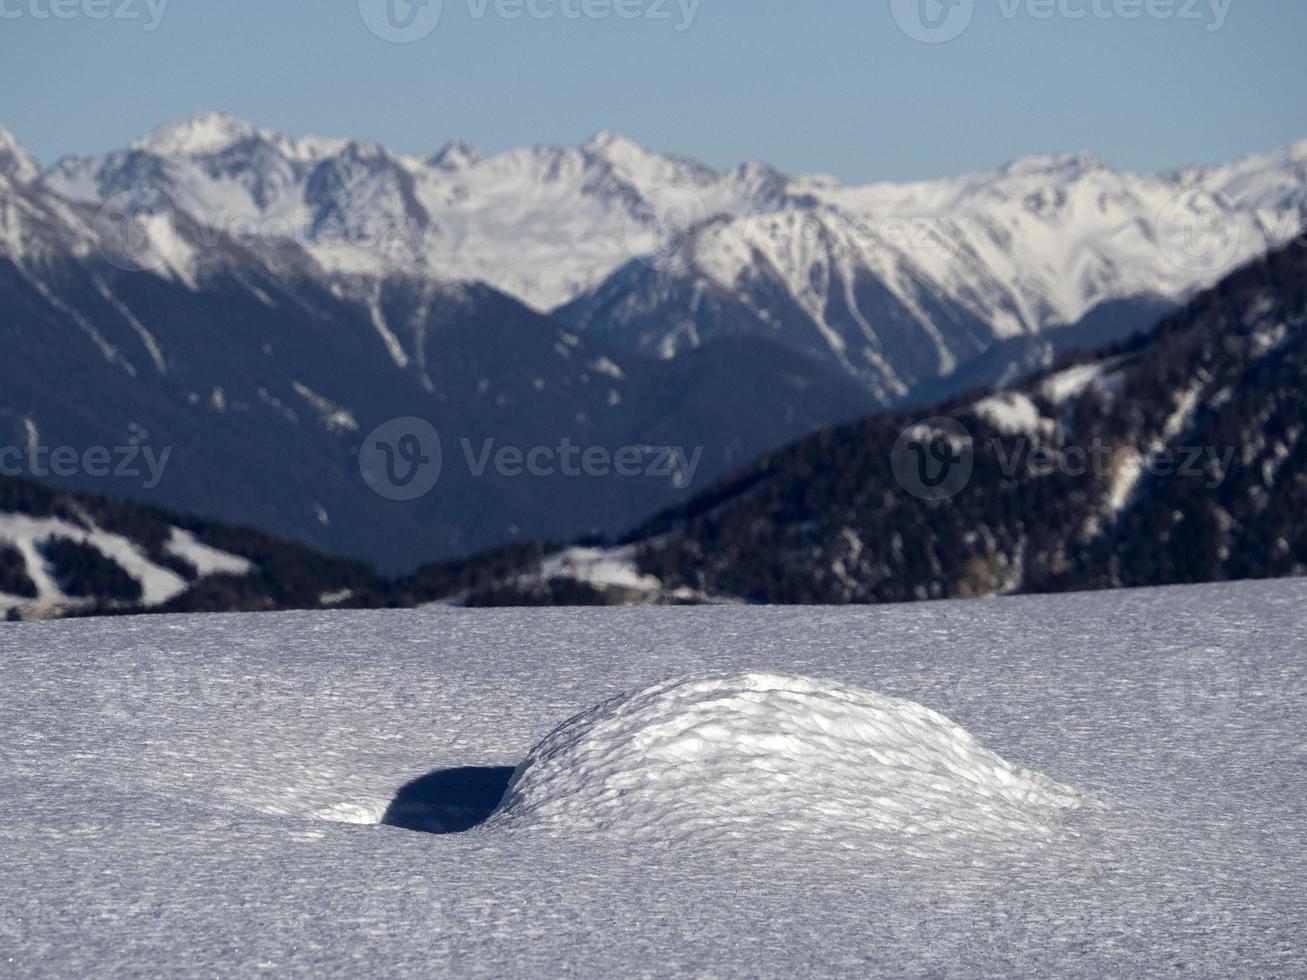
[(257, 304), (894, 284), (1177, 456)]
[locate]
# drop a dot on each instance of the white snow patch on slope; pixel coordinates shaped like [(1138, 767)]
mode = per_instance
[(332, 416), (393, 346), (206, 560), (760, 754), (600, 567), (1011, 412), (1128, 469), (606, 366), (170, 252), (158, 585), (1071, 383), (1129, 463)]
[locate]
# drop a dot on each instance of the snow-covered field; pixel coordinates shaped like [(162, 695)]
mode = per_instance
[(203, 795)]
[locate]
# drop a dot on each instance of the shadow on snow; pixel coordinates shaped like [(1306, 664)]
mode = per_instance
[(448, 801)]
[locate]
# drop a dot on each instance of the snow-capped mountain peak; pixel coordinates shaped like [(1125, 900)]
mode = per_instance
[(609, 142), (1066, 165), (199, 134), (206, 134), (896, 284), (457, 154), (15, 162), (646, 170)]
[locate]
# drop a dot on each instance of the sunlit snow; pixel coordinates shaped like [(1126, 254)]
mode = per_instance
[(221, 795)]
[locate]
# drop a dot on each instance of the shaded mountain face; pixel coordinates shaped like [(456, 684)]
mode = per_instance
[(1010, 361), (897, 286), (245, 379), (1176, 458)]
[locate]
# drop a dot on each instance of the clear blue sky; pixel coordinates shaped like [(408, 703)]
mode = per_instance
[(828, 86)]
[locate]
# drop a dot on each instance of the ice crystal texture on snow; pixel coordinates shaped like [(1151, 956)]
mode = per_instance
[(757, 752)]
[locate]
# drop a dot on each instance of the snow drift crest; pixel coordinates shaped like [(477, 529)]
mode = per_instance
[(758, 752)]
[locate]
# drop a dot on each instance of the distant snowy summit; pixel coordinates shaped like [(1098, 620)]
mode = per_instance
[(893, 284), (780, 758)]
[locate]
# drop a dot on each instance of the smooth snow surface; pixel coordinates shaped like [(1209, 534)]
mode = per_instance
[(201, 796), (783, 756)]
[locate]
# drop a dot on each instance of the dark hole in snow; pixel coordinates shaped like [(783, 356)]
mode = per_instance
[(448, 801)]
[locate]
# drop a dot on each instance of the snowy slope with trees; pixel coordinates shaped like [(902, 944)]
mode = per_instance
[(260, 303), (64, 554), (227, 794), (261, 376)]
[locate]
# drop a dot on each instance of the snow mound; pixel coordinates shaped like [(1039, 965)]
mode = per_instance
[(764, 754)]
